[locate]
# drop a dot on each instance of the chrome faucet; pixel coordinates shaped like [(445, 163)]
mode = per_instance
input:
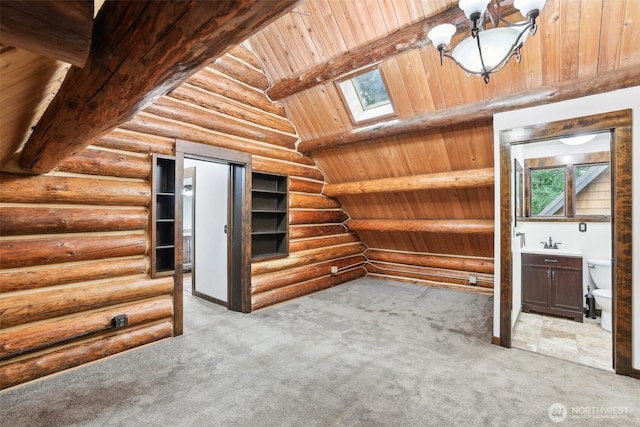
[(550, 244)]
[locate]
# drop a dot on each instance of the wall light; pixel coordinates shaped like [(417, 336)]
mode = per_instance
[(488, 49)]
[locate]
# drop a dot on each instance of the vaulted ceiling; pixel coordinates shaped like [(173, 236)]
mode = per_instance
[(577, 42), (575, 39), (578, 49)]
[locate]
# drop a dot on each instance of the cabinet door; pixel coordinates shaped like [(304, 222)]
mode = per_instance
[(535, 285), (566, 289)]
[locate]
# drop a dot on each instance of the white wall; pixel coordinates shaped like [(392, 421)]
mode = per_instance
[(611, 101)]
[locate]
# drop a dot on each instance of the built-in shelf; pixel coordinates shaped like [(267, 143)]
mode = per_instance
[(269, 219), (163, 215)]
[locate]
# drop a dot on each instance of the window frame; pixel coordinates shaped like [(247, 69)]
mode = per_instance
[(356, 122), (568, 163)]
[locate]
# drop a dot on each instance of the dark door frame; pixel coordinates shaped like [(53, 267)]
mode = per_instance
[(618, 123), (239, 265)]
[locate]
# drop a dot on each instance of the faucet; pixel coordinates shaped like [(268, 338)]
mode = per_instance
[(550, 244)]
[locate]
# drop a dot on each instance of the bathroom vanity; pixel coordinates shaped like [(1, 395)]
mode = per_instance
[(552, 283)]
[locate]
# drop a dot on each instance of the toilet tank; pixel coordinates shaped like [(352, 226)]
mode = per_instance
[(600, 271)]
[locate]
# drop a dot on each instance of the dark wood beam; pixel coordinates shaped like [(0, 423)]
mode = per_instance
[(482, 110), (141, 50), (402, 40), (56, 29)]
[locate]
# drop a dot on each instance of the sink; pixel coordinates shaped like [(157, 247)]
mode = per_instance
[(566, 252)]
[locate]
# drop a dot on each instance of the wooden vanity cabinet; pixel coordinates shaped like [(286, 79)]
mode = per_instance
[(552, 284)]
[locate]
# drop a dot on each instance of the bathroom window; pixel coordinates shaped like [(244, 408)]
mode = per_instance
[(548, 196), (573, 187), (366, 97), (592, 192)]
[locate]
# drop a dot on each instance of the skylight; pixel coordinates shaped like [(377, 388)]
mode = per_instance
[(366, 97)]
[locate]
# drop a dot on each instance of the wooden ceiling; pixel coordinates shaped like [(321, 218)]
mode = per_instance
[(577, 40)]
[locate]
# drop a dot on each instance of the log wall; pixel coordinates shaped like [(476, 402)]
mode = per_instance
[(75, 244), (73, 255), (458, 272)]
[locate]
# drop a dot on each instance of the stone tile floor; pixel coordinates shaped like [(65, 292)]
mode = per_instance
[(585, 343)]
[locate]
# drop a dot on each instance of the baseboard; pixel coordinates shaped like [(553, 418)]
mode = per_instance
[(635, 373), (495, 340)]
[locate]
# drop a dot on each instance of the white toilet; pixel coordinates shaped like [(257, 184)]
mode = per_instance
[(600, 271)]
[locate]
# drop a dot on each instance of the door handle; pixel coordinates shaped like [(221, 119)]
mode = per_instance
[(225, 229), (550, 260)]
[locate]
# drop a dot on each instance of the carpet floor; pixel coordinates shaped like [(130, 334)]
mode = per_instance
[(366, 353)]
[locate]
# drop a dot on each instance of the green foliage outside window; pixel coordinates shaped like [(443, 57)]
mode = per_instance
[(546, 186)]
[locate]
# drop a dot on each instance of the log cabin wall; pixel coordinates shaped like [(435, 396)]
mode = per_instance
[(73, 255), (429, 233), (75, 242), (437, 236)]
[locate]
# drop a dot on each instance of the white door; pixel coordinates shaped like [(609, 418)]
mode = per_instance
[(210, 228)]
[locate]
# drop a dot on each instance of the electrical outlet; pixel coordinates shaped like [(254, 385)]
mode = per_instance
[(473, 280), (120, 321), (334, 269)]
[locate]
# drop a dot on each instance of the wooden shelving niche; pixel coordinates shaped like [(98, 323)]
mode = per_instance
[(163, 216), (269, 219)]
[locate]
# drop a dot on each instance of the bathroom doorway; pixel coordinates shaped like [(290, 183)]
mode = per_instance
[(618, 125), (562, 200)]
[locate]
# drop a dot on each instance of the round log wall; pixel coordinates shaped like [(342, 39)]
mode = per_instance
[(75, 244), (74, 255)]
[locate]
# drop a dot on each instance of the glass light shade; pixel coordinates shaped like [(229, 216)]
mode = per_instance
[(496, 44), (577, 140), (526, 6), (473, 6), (441, 34)]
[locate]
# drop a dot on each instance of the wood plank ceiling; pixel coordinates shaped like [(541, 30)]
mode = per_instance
[(576, 39)]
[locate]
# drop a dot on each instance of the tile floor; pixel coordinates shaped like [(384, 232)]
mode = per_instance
[(585, 343)]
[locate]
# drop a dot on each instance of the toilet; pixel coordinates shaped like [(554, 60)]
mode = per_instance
[(600, 271)]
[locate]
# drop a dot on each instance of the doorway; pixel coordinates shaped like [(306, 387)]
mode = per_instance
[(210, 212), (562, 193), (188, 190), (619, 125), (221, 189)]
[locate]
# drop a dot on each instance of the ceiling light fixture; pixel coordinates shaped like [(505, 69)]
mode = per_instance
[(488, 49), (578, 140)]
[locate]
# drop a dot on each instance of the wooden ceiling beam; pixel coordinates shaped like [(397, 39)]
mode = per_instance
[(402, 40), (460, 226), (56, 29), (433, 181), (141, 50), (481, 110)]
